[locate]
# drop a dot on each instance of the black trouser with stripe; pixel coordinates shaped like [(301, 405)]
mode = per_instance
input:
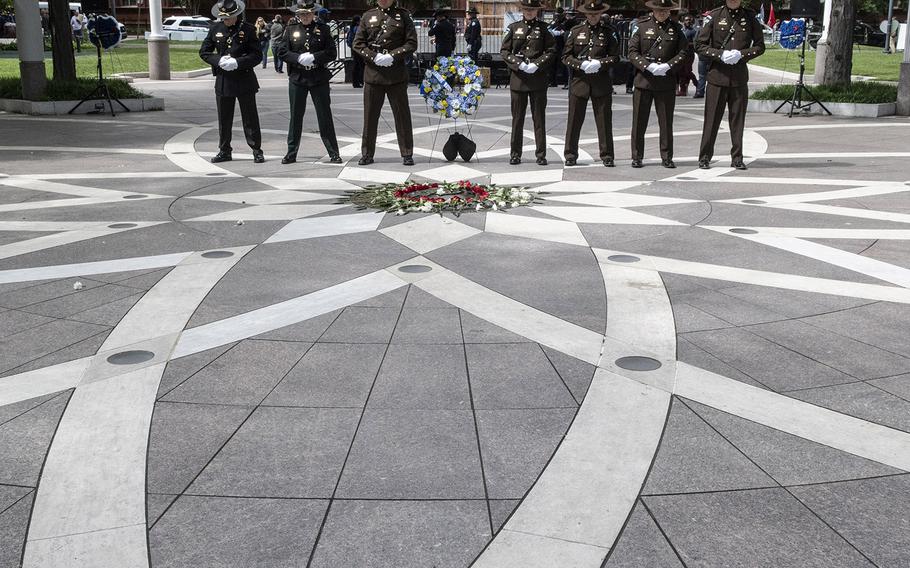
[(322, 103), (249, 116)]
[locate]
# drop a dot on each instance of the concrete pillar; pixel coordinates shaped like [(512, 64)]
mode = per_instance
[(30, 42), (821, 50), (903, 86), (159, 55)]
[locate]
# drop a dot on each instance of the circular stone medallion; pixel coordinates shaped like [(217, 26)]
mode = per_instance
[(130, 357), (414, 268), (217, 254), (740, 231), (623, 258), (638, 363), (122, 226)]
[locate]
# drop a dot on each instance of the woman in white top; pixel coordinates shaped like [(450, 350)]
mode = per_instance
[(76, 25)]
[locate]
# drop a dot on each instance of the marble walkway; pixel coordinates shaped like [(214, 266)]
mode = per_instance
[(221, 365)]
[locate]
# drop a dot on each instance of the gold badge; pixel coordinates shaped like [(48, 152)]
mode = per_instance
[(374, 19), (219, 34), (582, 36), (520, 31), (650, 32), (722, 22), (296, 35)]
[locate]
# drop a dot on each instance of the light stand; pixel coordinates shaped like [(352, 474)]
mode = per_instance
[(101, 90), (796, 100)]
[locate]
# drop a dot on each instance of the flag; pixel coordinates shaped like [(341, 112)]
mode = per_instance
[(771, 19), (761, 14)]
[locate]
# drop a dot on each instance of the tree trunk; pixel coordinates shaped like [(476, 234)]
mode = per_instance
[(61, 40), (839, 60)]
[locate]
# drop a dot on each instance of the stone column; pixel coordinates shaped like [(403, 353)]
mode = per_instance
[(903, 86), (159, 56), (30, 41)]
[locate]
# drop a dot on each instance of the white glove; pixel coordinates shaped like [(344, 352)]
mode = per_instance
[(556, 33), (531, 68), (306, 59), (593, 67), (661, 70), (228, 63), (735, 56), (383, 60), (585, 64), (652, 68), (523, 66)]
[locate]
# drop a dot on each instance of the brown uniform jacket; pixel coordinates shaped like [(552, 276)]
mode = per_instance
[(386, 31), (529, 42), (725, 29), (657, 42), (316, 39), (587, 42)]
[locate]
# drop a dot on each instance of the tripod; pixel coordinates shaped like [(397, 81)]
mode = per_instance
[(796, 100), (101, 90)]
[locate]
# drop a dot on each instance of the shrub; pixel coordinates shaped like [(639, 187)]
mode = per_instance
[(859, 92), (11, 88)]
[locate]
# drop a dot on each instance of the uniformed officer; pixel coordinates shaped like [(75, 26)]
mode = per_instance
[(385, 39), (529, 50), (306, 47), (233, 51), (657, 49), (729, 37), (443, 32), (591, 49), (472, 34)]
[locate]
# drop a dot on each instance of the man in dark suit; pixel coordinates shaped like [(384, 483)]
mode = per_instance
[(591, 49), (529, 50), (657, 49), (306, 47), (729, 38), (233, 51), (386, 38), (443, 32)]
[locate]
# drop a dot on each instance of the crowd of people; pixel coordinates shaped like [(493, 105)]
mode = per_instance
[(660, 51)]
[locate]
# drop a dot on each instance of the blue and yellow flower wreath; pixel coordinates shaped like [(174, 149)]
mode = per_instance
[(452, 87)]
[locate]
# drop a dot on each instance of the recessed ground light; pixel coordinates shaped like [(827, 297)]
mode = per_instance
[(122, 226), (415, 268), (130, 357), (754, 201), (216, 174), (638, 363), (686, 177), (623, 258), (740, 231), (217, 254), (136, 196)]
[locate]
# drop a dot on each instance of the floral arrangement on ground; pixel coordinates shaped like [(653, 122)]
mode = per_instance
[(455, 197), (452, 87)]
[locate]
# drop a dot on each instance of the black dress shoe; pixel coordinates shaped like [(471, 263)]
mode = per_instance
[(698, 96), (335, 159), (704, 164), (668, 164), (221, 157), (608, 163), (570, 163), (637, 164), (542, 162), (739, 165), (514, 161), (628, 91), (407, 160), (365, 161), (289, 159), (258, 157)]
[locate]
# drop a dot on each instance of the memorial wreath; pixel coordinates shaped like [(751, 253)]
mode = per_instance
[(456, 197), (452, 87)]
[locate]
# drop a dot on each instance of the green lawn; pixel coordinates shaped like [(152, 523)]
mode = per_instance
[(867, 61), (130, 57)]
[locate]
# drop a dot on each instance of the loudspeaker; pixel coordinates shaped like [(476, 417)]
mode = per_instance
[(805, 8), (96, 6)]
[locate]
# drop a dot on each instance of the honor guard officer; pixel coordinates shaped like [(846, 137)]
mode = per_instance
[(443, 33), (306, 47), (233, 51), (729, 37), (472, 34), (529, 50), (591, 49), (385, 39), (657, 49)]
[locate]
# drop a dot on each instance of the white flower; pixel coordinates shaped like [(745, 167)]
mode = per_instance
[(400, 212), (478, 207), (515, 204), (495, 207), (427, 207), (440, 191), (524, 195), (78, 285), (502, 203)]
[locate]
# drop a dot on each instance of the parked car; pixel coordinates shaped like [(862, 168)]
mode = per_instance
[(864, 34), (187, 28)]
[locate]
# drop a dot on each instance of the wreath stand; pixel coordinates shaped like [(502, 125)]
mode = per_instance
[(457, 144)]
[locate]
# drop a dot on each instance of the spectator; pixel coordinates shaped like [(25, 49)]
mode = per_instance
[(76, 25), (895, 30), (685, 71), (263, 34), (473, 34), (443, 33), (558, 29), (276, 30), (357, 70)]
